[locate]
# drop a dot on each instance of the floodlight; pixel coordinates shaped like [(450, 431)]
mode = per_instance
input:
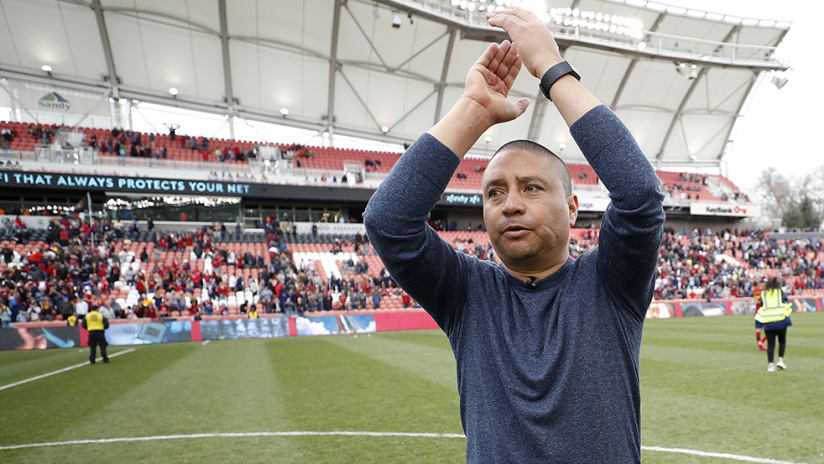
[(284, 112), (46, 68), (779, 81), (384, 129), (173, 91)]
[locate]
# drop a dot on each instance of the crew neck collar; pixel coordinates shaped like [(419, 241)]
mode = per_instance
[(546, 282)]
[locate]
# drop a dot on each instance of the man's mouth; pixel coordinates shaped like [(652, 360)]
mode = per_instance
[(515, 230)]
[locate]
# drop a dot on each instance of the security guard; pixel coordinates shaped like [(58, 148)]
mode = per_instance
[(774, 318), (96, 324), (253, 314), (72, 320)]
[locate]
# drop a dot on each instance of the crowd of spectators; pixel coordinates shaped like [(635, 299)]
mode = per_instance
[(723, 264), (79, 264)]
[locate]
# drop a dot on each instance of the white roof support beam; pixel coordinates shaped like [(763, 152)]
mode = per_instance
[(333, 72), (162, 18), (360, 99), (366, 36), (679, 113), (632, 65), (423, 49), (411, 110), (538, 112), (228, 96), (114, 81), (447, 58)]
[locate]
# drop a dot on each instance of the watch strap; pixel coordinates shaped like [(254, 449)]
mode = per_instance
[(554, 73)]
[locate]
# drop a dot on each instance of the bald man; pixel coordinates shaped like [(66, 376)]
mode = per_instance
[(546, 345)]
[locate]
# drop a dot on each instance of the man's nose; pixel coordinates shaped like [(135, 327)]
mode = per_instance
[(514, 204)]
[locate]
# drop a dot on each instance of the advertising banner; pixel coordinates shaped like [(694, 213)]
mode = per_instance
[(463, 199), (703, 309), (661, 311), (588, 202), (92, 182), (356, 323), (38, 97), (407, 320), (700, 208), (743, 306), (804, 305), (330, 228), (144, 333), (321, 325), (38, 338), (235, 329)]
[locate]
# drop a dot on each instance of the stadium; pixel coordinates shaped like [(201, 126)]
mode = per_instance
[(198, 173)]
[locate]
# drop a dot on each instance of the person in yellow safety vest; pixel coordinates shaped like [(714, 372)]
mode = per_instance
[(72, 320), (253, 314), (774, 318), (96, 324)]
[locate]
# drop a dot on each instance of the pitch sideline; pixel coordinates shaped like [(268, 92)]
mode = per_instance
[(733, 457), (58, 371)]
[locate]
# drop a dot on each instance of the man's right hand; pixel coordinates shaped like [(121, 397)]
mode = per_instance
[(489, 81), (534, 41), (484, 102)]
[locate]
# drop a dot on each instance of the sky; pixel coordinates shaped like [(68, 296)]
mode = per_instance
[(779, 128)]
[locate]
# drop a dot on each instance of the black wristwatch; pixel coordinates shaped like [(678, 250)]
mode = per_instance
[(554, 73)]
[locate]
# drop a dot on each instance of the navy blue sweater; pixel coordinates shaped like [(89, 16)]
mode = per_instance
[(550, 373)]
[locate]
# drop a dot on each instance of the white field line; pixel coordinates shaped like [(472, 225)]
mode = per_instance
[(734, 457), (47, 374)]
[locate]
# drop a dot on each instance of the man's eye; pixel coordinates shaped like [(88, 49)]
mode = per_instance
[(492, 193), (533, 188)]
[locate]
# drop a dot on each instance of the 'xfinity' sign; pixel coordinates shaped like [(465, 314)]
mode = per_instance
[(468, 199)]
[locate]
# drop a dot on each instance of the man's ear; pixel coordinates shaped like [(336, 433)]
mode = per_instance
[(572, 202)]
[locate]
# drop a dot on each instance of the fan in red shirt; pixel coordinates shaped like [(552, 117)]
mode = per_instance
[(760, 341)]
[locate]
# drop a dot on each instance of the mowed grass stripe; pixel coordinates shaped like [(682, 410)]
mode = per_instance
[(429, 358), (20, 365), (327, 387), (69, 405), (221, 387)]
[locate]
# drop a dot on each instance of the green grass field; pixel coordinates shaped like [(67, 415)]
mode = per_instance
[(704, 387)]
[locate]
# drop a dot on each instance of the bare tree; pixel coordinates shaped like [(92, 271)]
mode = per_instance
[(784, 197), (776, 193)]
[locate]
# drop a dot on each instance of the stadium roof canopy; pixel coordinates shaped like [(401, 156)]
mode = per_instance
[(386, 69)]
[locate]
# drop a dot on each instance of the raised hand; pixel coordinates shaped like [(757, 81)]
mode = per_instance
[(534, 41), (490, 79)]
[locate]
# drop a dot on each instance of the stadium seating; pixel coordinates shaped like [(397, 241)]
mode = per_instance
[(467, 176)]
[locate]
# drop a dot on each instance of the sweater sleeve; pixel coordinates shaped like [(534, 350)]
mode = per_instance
[(632, 227), (422, 263)]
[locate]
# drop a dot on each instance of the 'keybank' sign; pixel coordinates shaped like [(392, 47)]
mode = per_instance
[(122, 184), (699, 208)]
